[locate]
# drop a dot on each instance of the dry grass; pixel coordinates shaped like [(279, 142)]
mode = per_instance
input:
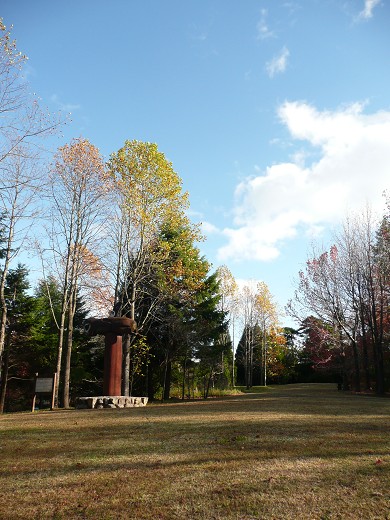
[(295, 452)]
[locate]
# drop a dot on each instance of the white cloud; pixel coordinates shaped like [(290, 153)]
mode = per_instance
[(290, 199), (263, 31), (208, 228), (278, 64), (367, 11), (66, 107)]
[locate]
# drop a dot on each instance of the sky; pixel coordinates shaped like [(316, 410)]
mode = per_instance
[(275, 114)]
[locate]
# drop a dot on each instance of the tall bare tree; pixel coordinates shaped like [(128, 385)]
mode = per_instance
[(248, 314), (79, 187), (22, 119), (229, 302), (259, 315), (347, 288), (20, 182), (22, 123)]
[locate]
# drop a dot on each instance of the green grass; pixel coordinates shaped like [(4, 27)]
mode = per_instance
[(292, 452)]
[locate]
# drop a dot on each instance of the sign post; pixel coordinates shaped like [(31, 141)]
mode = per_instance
[(44, 385)]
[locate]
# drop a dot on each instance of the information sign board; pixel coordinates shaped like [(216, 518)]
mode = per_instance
[(44, 385)]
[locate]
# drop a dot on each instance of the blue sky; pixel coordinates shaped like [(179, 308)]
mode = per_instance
[(276, 114)]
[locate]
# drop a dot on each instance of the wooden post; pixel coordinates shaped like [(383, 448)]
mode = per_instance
[(35, 395), (52, 391)]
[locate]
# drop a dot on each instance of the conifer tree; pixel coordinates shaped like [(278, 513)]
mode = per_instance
[(19, 324)]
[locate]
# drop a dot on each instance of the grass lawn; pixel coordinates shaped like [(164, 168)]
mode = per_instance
[(292, 452)]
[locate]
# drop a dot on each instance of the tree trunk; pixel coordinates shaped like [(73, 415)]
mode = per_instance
[(167, 380), (61, 335), (379, 368), (265, 362), (7, 260), (377, 347), (357, 366), (233, 359), (66, 388), (150, 383), (208, 383), (2, 333), (366, 366), (69, 345), (183, 386), (127, 345), (4, 372), (59, 362), (345, 385), (247, 364)]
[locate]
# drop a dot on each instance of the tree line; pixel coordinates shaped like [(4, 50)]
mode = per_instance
[(117, 240), (342, 300), (113, 238), (341, 306)]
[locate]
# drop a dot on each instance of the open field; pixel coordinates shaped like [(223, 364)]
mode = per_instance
[(292, 452)]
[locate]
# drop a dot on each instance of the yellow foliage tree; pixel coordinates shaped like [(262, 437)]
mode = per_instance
[(267, 316), (150, 204)]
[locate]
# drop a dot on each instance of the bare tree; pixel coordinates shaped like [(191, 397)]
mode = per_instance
[(22, 123), (373, 240), (78, 193), (22, 119), (19, 185), (229, 302), (324, 291), (347, 288), (259, 314), (248, 313)]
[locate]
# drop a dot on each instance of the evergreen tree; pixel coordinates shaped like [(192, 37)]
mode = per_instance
[(249, 361), (18, 363), (87, 360), (212, 343), (44, 331)]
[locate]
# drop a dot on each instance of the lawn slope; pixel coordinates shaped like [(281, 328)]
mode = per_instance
[(293, 452)]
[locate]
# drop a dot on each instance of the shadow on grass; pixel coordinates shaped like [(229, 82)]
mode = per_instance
[(284, 423), (223, 458)]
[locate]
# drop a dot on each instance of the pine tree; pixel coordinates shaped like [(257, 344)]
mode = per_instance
[(20, 308)]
